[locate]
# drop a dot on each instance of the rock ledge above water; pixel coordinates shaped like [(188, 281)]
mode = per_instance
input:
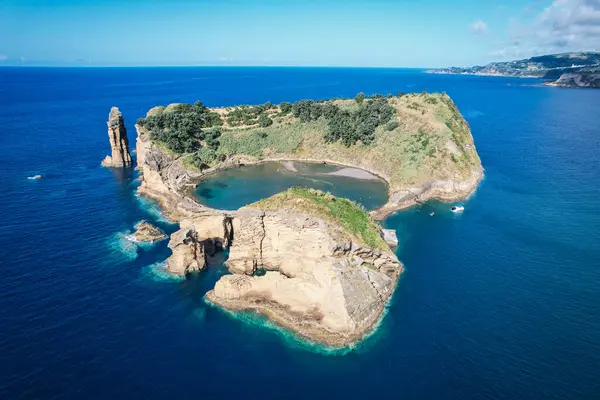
[(146, 232)]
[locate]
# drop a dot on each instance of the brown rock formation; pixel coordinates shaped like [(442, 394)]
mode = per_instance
[(117, 135), (302, 272), (196, 241), (146, 232)]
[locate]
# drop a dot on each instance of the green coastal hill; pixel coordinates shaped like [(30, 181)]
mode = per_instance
[(579, 69), (408, 139)]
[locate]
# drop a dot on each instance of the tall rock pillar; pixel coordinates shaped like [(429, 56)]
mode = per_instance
[(117, 135)]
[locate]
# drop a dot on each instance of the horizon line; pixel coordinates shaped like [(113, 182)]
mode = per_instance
[(209, 66)]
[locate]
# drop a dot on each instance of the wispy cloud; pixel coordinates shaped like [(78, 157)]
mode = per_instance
[(3, 57), (479, 27)]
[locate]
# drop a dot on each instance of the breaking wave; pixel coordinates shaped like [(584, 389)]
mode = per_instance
[(121, 242), (158, 273), (152, 208)]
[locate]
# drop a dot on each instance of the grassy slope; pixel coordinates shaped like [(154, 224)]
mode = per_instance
[(353, 219), (432, 141)]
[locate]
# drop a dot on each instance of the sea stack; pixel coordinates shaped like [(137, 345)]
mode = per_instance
[(117, 135)]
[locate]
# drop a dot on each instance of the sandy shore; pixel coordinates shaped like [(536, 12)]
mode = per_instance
[(349, 172), (353, 173)]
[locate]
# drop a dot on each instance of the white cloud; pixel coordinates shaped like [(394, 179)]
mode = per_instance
[(570, 23), (564, 25), (479, 27), (3, 57)]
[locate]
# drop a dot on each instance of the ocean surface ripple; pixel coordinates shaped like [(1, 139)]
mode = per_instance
[(500, 302)]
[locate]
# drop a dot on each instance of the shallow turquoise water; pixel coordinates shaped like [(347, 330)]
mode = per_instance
[(500, 302), (233, 188)]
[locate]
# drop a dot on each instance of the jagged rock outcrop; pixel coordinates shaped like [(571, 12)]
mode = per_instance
[(119, 144), (164, 178), (188, 253), (318, 282), (146, 232), (196, 241)]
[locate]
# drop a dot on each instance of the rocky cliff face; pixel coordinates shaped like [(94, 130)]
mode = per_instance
[(578, 80), (164, 177), (197, 240), (445, 190), (117, 135), (296, 269)]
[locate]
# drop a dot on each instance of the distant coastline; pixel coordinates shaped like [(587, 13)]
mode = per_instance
[(574, 70), (498, 75)]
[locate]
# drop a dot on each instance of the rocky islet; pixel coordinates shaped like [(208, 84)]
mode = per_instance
[(302, 270)]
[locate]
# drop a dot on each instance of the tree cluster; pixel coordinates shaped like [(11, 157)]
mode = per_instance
[(249, 115), (264, 120), (182, 129), (347, 126), (285, 108)]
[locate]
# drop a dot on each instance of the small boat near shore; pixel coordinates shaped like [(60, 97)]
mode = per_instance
[(457, 208)]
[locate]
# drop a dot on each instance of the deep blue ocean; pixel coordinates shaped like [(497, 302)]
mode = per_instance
[(501, 302)]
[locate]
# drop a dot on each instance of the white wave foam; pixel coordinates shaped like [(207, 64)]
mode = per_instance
[(293, 340), (152, 208), (120, 242), (158, 273), (131, 238)]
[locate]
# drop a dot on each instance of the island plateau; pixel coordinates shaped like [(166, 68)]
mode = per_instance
[(309, 261), (578, 70)]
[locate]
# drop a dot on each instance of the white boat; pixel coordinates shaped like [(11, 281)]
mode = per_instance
[(457, 208)]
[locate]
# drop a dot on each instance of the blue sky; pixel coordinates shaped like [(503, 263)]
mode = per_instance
[(400, 33)]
